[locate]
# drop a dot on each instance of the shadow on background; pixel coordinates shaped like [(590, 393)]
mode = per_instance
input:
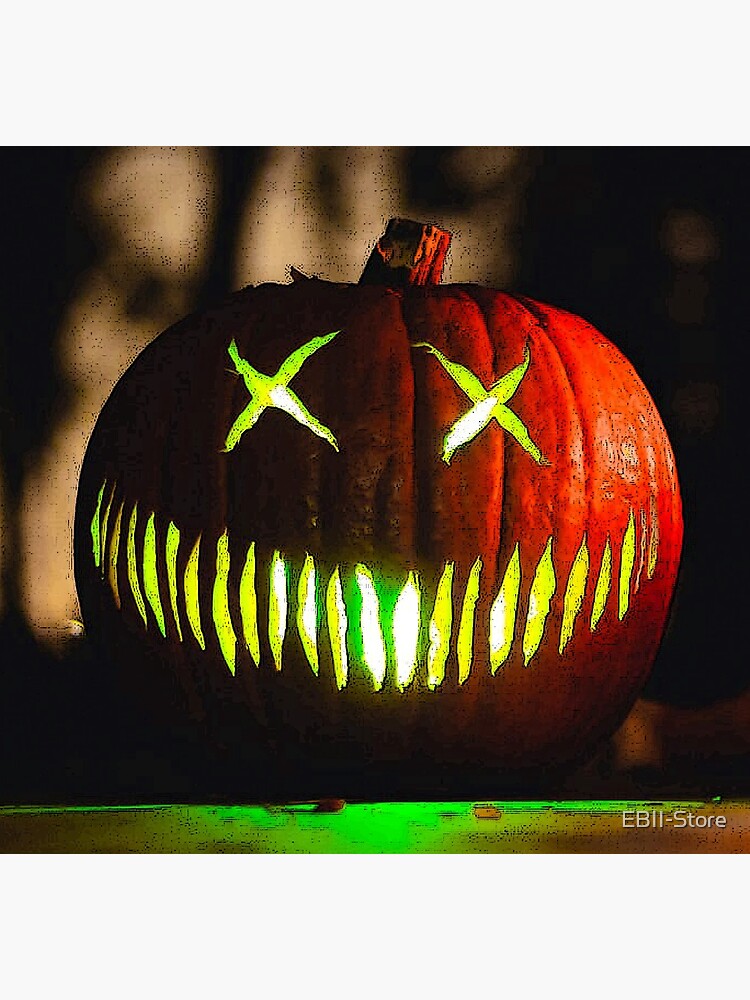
[(650, 245)]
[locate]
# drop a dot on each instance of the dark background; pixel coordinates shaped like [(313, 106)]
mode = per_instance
[(648, 244)]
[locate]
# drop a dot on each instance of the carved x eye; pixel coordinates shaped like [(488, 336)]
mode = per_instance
[(488, 404), (273, 391)]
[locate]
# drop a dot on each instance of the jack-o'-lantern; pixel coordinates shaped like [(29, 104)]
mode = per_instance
[(383, 522)]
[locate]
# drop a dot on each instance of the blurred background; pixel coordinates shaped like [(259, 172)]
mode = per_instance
[(105, 247)]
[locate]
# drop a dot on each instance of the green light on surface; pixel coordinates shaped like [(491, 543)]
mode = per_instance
[(373, 644), (503, 613), (249, 606), (105, 522), (574, 593), (272, 391), (441, 625), (114, 551), (172, 547), (222, 619), (307, 614), (96, 538), (277, 607), (627, 558), (406, 616), (465, 642), (135, 586), (540, 597), (192, 594), (488, 404), (150, 573), (601, 592), (337, 625)]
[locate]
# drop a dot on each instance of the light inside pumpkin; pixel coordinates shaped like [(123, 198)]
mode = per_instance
[(150, 573), (222, 618), (277, 607), (406, 630), (503, 612), (135, 585), (465, 642), (172, 548), (601, 592), (627, 558), (114, 551), (337, 625), (307, 613), (540, 598), (373, 644), (574, 593), (441, 624), (192, 596), (249, 606)]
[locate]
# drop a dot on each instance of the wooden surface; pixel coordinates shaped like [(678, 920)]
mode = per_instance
[(381, 828)]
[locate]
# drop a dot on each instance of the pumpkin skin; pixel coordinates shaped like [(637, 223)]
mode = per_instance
[(603, 505)]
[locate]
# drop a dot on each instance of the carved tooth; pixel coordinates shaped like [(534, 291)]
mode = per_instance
[(96, 538), (574, 593), (135, 586), (406, 621), (222, 619), (465, 642), (307, 612), (601, 592), (337, 625), (503, 612), (642, 556), (373, 644), (150, 573), (653, 545), (627, 558), (277, 607), (249, 606), (540, 597), (114, 550), (172, 546), (105, 521), (192, 594), (441, 624)]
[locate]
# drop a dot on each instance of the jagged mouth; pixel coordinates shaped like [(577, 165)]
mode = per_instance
[(420, 630)]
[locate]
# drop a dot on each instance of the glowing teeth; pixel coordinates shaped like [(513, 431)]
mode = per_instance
[(406, 630), (401, 647), (373, 645)]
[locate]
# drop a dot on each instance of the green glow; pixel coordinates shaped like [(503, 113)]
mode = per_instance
[(151, 575), (272, 391), (574, 593), (105, 522), (307, 613), (540, 597), (95, 530), (488, 404), (406, 619), (441, 625), (222, 619), (465, 642), (172, 547), (114, 550), (277, 607), (503, 613), (373, 644), (627, 559), (133, 566), (653, 543), (249, 606), (192, 594), (337, 625), (603, 582)]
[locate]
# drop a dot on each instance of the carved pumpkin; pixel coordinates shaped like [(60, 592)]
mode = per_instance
[(417, 522)]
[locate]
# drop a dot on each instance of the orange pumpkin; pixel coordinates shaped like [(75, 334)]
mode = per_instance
[(387, 522)]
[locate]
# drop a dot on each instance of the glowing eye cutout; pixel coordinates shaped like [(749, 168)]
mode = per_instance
[(488, 404), (273, 391)]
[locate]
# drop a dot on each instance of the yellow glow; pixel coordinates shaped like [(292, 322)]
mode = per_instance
[(114, 550), (150, 573), (96, 537), (337, 625), (653, 544), (192, 594), (133, 567), (465, 642), (172, 547), (574, 593), (603, 582), (503, 613), (627, 558), (406, 615), (105, 522), (441, 624), (277, 607), (222, 619), (540, 597), (249, 606), (307, 615), (373, 644)]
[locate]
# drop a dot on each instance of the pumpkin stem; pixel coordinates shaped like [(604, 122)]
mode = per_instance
[(408, 253)]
